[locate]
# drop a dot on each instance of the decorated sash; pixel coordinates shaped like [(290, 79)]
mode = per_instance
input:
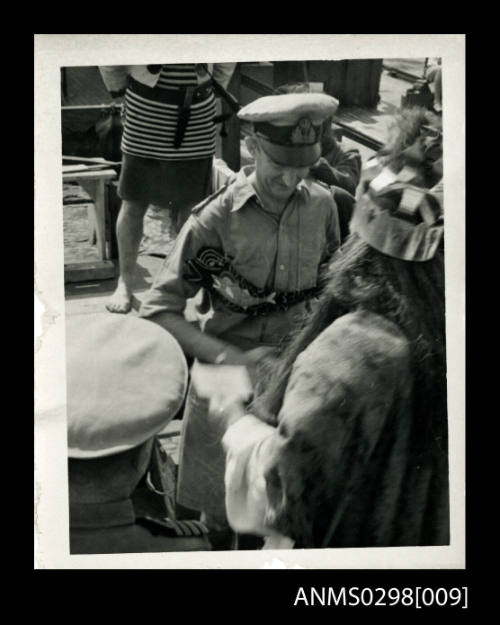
[(213, 270)]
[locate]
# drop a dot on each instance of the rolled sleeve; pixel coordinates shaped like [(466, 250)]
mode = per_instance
[(170, 288)]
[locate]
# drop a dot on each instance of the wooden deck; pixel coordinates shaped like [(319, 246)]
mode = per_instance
[(369, 127), (366, 127), (90, 296)]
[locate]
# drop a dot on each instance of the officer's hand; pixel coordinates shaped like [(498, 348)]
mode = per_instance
[(257, 354), (255, 359), (224, 411), (251, 359)]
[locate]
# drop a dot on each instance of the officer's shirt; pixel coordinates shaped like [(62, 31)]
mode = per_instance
[(274, 252)]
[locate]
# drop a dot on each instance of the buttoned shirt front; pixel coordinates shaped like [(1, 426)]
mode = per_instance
[(280, 253)]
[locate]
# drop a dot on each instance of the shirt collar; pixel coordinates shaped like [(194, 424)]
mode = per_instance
[(243, 190)]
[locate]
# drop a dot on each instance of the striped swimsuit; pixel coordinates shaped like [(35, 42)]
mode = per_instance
[(150, 126)]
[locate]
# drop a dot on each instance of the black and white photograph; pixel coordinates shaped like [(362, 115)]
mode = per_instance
[(249, 301)]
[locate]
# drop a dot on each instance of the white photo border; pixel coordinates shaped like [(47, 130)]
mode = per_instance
[(51, 500)]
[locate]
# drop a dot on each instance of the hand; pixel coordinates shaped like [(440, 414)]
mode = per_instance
[(250, 359), (254, 359), (321, 161)]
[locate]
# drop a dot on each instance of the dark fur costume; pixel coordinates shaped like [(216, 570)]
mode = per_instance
[(347, 451), (359, 397)]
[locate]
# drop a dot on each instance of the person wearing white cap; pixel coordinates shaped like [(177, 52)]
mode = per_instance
[(126, 379), (256, 247)]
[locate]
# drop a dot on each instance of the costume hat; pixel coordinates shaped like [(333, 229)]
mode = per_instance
[(396, 213)]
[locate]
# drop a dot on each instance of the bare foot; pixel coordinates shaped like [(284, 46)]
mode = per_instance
[(121, 300)]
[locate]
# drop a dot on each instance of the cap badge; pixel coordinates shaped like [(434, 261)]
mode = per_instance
[(303, 132)]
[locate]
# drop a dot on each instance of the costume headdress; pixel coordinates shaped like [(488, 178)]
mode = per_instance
[(398, 213)]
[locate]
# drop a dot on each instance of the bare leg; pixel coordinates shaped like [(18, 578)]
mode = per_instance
[(181, 217), (129, 228)]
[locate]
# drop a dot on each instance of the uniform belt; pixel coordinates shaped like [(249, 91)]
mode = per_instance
[(171, 96), (246, 297)]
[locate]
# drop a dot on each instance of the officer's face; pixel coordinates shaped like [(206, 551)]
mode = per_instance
[(276, 180)]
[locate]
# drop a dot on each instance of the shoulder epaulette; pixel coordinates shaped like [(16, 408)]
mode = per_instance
[(196, 209)]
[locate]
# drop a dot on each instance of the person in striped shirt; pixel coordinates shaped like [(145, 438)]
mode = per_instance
[(168, 144)]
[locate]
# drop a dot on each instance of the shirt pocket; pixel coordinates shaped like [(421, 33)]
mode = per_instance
[(312, 250), (252, 248)]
